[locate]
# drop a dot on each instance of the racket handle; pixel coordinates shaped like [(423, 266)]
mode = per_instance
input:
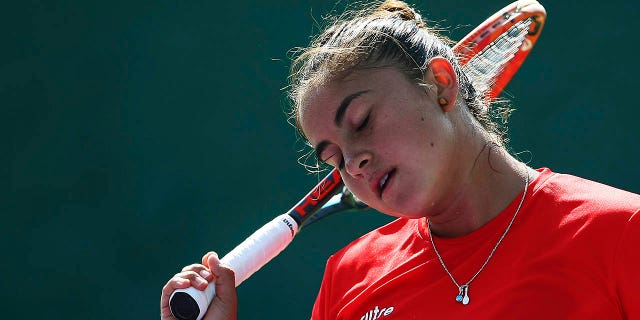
[(245, 259), (191, 303)]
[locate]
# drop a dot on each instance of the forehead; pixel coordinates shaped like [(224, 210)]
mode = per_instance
[(318, 103)]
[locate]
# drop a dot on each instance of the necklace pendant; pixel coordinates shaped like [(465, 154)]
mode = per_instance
[(463, 295), (460, 295)]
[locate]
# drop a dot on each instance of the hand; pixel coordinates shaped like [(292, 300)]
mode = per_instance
[(224, 305)]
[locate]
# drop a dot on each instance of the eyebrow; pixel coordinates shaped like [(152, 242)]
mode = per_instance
[(342, 109)]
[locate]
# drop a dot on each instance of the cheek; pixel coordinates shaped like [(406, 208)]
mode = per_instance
[(407, 136), (421, 147), (355, 186), (361, 190)]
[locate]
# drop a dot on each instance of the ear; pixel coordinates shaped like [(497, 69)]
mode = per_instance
[(440, 72)]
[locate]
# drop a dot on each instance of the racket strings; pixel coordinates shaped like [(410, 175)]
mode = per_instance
[(486, 66)]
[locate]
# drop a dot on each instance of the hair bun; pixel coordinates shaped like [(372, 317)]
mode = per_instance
[(400, 9)]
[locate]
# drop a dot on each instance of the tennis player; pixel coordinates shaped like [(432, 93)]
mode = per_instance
[(479, 234)]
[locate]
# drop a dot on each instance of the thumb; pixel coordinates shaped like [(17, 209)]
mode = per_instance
[(225, 302), (224, 277)]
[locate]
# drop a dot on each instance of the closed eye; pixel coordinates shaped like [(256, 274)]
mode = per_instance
[(328, 159), (332, 160), (364, 123), (329, 153)]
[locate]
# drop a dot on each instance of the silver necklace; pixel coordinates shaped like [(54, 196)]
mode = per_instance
[(463, 290)]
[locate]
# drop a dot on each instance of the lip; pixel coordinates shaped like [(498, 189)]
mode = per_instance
[(375, 183)]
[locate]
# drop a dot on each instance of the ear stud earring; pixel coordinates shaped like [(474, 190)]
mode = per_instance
[(442, 102)]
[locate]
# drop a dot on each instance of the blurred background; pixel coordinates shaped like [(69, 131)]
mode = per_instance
[(137, 135)]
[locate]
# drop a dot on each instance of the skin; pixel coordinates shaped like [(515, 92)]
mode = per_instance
[(441, 164), (225, 304)]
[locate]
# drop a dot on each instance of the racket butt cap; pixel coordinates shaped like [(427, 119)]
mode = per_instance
[(184, 307)]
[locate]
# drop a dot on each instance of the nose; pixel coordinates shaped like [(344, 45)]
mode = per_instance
[(356, 164)]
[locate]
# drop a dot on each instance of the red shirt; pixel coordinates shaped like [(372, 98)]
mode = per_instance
[(570, 254)]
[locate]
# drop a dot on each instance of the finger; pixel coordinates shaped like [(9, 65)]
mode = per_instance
[(202, 270), (209, 259), (194, 279), (205, 258), (226, 300), (171, 285), (194, 267), (224, 276)]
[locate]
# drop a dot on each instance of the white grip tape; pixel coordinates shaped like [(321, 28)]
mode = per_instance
[(250, 255), (262, 246)]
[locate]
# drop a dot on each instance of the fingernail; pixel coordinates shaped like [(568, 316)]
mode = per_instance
[(205, 274), (201, 281)]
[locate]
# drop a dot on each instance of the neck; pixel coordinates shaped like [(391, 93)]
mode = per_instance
[(493, 181)]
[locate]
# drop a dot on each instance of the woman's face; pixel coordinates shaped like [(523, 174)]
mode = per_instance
[(394, 145)]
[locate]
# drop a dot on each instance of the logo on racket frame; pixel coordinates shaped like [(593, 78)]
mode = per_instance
[(319, 195)]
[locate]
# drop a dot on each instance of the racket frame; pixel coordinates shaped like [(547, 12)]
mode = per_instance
[(286, 226)]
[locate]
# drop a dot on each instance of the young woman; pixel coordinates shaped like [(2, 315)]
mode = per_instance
[(479, 234)]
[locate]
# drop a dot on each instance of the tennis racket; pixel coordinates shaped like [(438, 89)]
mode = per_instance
[(493, 52)]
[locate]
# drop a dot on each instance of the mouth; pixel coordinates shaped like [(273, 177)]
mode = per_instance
[(383, 182)]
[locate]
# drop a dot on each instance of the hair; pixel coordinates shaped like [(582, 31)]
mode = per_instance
[(390, 34)]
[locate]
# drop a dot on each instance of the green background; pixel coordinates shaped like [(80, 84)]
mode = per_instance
[(137, 135)]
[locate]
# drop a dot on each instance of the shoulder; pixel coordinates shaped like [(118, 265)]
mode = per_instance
[(597, 224), (569, 188), (575, 203)]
